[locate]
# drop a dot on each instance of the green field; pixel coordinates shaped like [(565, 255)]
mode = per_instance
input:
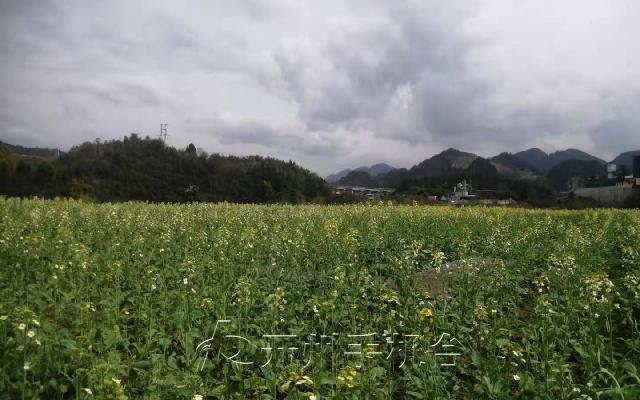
[(110, 301)]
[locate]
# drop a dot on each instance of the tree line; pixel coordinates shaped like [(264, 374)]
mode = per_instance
[(136, 168)]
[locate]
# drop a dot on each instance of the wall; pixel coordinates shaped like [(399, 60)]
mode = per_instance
[(607, 194)]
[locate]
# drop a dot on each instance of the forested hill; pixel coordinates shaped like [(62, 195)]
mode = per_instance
[(31, 151), (146, 169)]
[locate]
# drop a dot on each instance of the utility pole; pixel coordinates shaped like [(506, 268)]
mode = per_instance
[(163, 132)]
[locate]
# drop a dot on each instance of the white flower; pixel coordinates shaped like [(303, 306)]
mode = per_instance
[(31, 333), (197, 397), (89, 392), (4, 317), (35, 322), (153, 287), (116, 380), (38, 342), (22, 327), (516, 377), (185, 281), (27, 366)]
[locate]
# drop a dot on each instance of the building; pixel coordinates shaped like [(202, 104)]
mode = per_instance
[(611, 171), (622, 190), (367, 193), (461, 193)]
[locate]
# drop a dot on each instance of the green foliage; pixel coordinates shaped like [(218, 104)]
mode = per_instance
[(575, 173), (8, 164), (146, 169), (110, 301), (359, 178)]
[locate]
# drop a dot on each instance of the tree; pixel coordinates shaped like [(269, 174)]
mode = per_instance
[(8, 163), (148, 169)]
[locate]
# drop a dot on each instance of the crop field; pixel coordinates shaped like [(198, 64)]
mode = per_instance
[(221, 301)]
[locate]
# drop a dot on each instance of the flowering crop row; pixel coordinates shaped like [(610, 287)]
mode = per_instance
[(104, 301)]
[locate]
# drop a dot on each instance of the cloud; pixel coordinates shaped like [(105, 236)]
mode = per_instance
[(282, 139), (329, 84)]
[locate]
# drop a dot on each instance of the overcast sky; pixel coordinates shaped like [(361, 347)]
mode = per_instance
[(329, 84)]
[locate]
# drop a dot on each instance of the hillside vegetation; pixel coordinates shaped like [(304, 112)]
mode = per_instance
[(147, 169)]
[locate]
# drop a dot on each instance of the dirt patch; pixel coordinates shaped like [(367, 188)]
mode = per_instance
[(435, 282)]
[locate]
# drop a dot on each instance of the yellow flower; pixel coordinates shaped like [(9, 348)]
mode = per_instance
[(347, 376), (426, 314), (126, 312), (369, 352), (89, 306), (207, 302)]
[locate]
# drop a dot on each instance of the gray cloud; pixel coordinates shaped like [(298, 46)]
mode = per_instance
[(280, 139), (329, 84), (121, 94)]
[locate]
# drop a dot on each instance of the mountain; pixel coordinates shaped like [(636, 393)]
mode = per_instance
[(572, 154), (569, 174), (334, 178), (448, 161), (536, 158), (625, 160), (359, 178), (510, 165), (31, 151), (544, 162), (374, 170), (148, 169), (501, 177)]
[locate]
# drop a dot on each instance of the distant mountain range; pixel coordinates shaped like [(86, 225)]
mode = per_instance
[(147, 169), (374, 170), (560, 170), (544, 162), (533, 160)]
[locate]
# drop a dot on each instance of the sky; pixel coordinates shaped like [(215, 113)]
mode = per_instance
[(329, 84)]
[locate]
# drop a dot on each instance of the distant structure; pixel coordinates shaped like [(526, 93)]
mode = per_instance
[(462, 190), (367, 193), (619, 188), (463, 193), (163, 132), (611, 171)]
